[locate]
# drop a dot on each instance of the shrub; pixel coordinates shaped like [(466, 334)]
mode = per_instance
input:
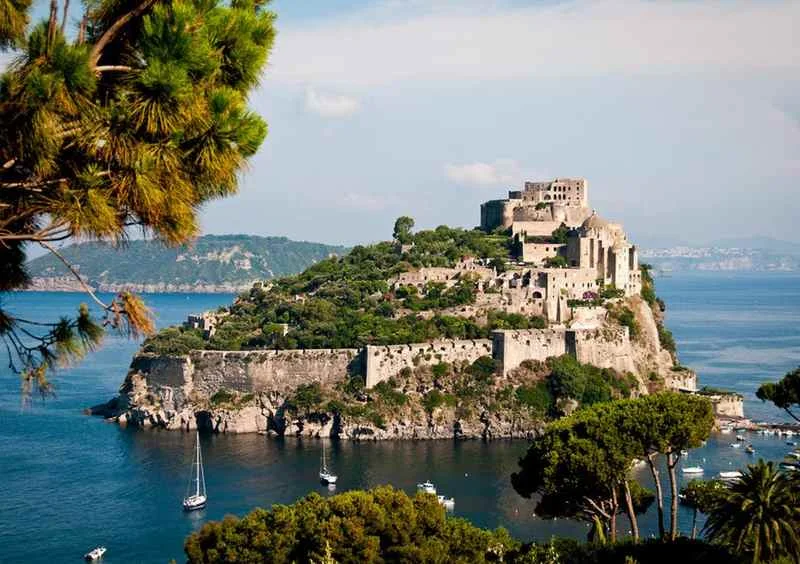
[(222, 396), (666, 339), (555, 262), (610, 292), (441, 369), (307, 396), (537, 398), (626, 318), (483, 368), (389, 395)]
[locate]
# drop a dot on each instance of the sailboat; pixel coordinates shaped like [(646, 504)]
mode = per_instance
[(326, 477), (196, 500)]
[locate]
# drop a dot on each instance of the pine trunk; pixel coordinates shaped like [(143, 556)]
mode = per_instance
[(659, 494), (631, 512), (672, 461)]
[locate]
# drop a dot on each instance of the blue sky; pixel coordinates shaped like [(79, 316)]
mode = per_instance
[(683, 115)]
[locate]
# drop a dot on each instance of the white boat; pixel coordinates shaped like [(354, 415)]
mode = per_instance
[(326, 477), (95, 554), (684, 453), (749, 449), (427, 487), (692, 470), (736, 445), (791, 443), (725, 430), (732, 475), (741, 438), (196, 491), (446, 502)]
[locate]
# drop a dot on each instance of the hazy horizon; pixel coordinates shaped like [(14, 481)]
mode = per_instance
[(686, 128)]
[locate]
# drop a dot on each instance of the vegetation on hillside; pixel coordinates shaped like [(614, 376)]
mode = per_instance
[(132, 121), (344, 302), (210, 259)]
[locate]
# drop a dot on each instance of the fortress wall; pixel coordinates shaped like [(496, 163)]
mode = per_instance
[(538, 252), (681, 380), (511, 347), (247, 371), (605, 348), (282, 371), (383, 362)]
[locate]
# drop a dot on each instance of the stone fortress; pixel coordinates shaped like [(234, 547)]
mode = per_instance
[(596, 255)]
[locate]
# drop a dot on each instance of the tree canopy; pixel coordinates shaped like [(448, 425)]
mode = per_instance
[(132, 122), (785, 393)]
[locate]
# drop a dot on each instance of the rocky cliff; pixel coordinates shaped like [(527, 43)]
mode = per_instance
[(464, 389)]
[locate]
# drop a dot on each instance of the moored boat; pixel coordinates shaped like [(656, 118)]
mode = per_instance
[(730, 475), (692, 470), (427, 487), (196, 499), (326, 477), (446, 502), (95, 554), (749, 449)]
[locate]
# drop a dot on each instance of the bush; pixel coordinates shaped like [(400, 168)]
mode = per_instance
[(307, 396), (440, 370), (555, 262), (625, 317), (666, 339), (537, 398), (389, 395), (222, 396), (483, 368), (610, 292)]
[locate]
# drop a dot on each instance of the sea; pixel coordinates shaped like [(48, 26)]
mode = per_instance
[(70, 482)]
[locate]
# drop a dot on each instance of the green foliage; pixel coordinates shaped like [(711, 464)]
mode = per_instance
[(560, 234), (760, 515), (222, 396), (784, 394), (624, 316), (498, 319), (437, 296), (389, 395), (441, 369), (175, 341), (610, 291), (131, 123), (435, 399), (402, 229), (585, 383), (307, 396), (537, 398), (341, 302), (483, 368), (666, 339), (557, 261), (379, 525)]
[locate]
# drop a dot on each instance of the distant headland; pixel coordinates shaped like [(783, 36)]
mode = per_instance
[(442, 333), (213, 263)]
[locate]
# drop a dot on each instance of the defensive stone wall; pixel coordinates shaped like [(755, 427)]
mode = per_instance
[(511, 347), (383, 362), (729, 405), (206, 372), (604, 347)]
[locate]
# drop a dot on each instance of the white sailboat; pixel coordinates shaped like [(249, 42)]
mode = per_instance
[(326, 476), (95, 554), (196, 492)]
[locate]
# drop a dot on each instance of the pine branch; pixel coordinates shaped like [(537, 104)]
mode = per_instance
[(114, 29), (76, 274)]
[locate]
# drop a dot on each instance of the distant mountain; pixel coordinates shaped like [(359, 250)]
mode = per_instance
[(734, 254), (213, 263)]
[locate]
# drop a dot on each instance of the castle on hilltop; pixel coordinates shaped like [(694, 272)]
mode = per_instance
[(596, 252)]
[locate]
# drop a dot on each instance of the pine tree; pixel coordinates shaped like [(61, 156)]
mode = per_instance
[(129, 124)]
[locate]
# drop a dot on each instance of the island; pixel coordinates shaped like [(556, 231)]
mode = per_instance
[(442, 333)]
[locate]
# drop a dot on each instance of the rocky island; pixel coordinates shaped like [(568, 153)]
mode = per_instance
[(442, 333)]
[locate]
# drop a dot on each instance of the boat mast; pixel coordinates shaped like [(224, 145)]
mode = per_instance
[(324, 464), (197, 477)]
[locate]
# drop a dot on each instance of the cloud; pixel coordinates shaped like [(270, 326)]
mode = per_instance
[(330, 106), (491, 41), (499, 172)]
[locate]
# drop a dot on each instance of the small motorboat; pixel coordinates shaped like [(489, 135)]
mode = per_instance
[(736, 445), (731, 475), (791, 443), (741, 438), (95, 554), (448, 503), (427, 487), (725, 430), (749, 449), (692, 470), (684, 453)]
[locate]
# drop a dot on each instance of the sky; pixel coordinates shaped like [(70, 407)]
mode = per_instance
[(683, 115)]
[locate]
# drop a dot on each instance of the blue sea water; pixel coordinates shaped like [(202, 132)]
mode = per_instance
[(69, 482)]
